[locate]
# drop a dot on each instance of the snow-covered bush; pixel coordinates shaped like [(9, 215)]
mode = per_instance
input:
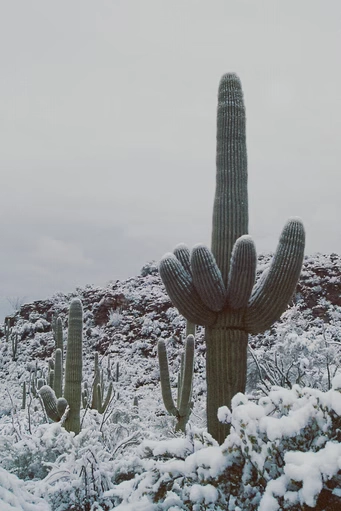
[(14, 497), (29, 456), (149, 268), (300, 351), (282, 453)]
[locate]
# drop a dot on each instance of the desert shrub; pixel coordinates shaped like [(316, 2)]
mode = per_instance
[(301, 351), (282, 453)]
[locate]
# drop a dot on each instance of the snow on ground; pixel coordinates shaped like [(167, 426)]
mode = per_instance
[(283, 449)]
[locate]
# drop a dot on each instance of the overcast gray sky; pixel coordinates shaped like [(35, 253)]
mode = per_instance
[(107, 128)]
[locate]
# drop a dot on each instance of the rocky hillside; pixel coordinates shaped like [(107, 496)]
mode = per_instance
[(125, 319)]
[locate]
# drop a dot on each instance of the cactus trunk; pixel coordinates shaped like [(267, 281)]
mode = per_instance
[(226, 356), (73, 366)]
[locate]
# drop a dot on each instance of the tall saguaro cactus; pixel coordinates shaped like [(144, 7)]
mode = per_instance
[(73, 374), (74, 366), (217, 288)]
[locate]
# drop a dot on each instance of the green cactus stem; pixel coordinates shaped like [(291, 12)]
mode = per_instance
[(97, 381), (59, 335), (74, 366), (14, 339), (23, 403), (183, 409), (58, 373), (190, 329), (217, 288), (98, 401), (7, 328), (103, 405), (85, 394)]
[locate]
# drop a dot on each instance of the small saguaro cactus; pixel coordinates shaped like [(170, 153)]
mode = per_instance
[(14, 338), (98, 401), (217, 288), (55, 407), (7, 328), (85, 394), (185, 379)]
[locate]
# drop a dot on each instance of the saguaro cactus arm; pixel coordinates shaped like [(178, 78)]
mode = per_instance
[(103, 405), (184, 403), (58, 373), (59, 334), (180, 287), (242, 272), (207, 278), (54, 407), (164, 378), (270, 299)]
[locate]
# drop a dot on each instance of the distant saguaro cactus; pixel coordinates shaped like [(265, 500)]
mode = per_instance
[(73, 374), (99, 402), (217, 288), (183, 409)]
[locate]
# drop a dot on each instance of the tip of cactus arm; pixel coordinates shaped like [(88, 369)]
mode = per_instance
[(245, 238), (200, 246), (76, 302), (181, 246), (190, 339), (295, 219), (167, 260), (231, 78), (166, 257)]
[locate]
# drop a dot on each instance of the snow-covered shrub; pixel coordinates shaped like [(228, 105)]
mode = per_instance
[(28, 458), (115, 317), (149, 268), (15, 497), (282, 453), (301, 351)]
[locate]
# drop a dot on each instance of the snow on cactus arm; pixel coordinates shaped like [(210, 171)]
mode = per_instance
[(183, 254)]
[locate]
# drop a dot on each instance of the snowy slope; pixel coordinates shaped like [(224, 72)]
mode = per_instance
[(123, 322)]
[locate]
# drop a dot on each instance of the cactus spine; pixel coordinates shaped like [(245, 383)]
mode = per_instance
[(183, 408), (217, 288), (55, 406)]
